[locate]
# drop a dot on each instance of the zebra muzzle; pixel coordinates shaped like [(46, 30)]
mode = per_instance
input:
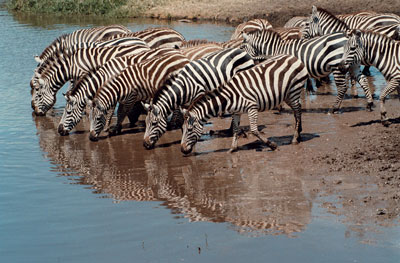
[(93, 137), (62, 131)]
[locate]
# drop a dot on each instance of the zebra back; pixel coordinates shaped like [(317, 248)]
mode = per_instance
[(368, 20), (296, 21), (250, 26), (287, 33), (157, 37), (201, 50), (319, 54), (79, 36)]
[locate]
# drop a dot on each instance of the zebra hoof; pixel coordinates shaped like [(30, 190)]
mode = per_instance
[(385, 123), (333, 111), (369, 106), (272, 145)]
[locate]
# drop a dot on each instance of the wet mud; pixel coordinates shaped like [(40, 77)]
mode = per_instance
[(347, 164)]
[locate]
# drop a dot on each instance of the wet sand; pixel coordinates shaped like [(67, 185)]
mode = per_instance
[(347, 164)]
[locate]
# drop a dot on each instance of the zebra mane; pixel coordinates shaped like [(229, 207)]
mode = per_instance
[(58, 40), (203, 97), (330, 15), (368, 33), (197, 42), (168, 82)]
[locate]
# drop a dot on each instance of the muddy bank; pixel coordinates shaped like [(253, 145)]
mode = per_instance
[(277, 12)]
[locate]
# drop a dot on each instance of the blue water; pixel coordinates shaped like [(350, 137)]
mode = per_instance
[(68, 200)]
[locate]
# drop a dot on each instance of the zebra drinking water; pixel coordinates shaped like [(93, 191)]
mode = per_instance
[(193, 80), (263, 87), (135, 83)]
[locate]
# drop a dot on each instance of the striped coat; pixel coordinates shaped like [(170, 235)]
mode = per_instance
[(278, 79)]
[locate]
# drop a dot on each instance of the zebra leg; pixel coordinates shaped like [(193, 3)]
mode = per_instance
[(177, 120), (235, 127), (109, 116), (253, 116), (134, 113), (340, 80), (309, 86), (296, 107), (121, 114), (363, 81), (366, 71), (392, 85)]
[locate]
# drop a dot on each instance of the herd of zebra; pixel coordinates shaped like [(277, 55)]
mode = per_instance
[(185, 83)]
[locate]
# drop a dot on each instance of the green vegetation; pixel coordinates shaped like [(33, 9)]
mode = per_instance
[(113, 8)]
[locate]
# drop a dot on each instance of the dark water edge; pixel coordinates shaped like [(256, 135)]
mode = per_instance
[(64, 199)]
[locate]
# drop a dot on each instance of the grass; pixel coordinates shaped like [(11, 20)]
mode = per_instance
[(111, 8)]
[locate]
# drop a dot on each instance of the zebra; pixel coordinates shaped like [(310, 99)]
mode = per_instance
[(377, 50), (157, 37), (250, 26), (296, 21), (320, 55), (80, 36), (278, 79), (193, 80), (135, 83), (85, 89), (72, 66), (322, 22)]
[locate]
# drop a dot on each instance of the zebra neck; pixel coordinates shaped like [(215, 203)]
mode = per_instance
[(210, 105)]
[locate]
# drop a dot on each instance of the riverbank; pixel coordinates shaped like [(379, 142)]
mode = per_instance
[(232, 11)]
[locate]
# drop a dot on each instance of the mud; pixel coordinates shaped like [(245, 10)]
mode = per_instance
[(347, 164)]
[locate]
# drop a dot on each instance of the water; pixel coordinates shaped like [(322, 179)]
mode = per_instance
[(65, 199)]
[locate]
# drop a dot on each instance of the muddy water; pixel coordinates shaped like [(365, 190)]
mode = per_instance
[(66, 199)]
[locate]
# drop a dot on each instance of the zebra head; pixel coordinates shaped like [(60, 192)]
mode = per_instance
[(353, 50), (260, 44), (72, 114), (312, 27), (97, 118), (43, 96), (191, 131), (156, 125)]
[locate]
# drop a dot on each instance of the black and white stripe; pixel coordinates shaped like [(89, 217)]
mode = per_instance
[(85, 89), (320, 55), (263, 87), (135, 83), (296, 21), (80, 36), (251, 26), (157, 37), (370, 48), (72, 66), (193, 80)]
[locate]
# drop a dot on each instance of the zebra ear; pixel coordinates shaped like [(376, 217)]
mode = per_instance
[(245, 36), (314, 10), (146, 106), (184, 112), (37, 59)]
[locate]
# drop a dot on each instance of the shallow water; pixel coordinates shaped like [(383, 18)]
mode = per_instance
[(66, 199)]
